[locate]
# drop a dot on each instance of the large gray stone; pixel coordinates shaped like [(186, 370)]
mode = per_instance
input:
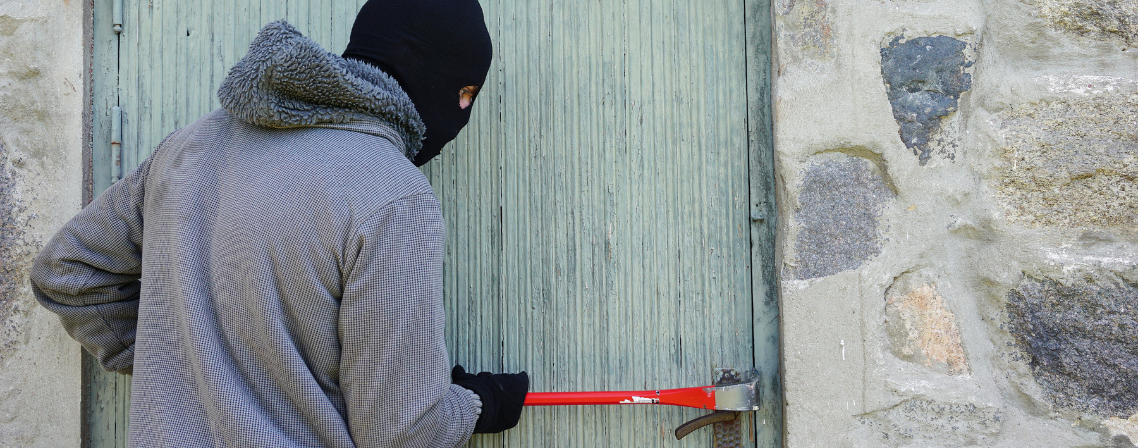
[(1111, 19), (1081, 340), (925, 77), (1071, 162), (840, 200)]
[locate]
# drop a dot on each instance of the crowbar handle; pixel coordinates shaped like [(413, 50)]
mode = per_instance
[(733, 393), (692, 397)]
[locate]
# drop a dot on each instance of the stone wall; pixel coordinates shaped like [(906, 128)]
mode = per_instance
[(41, 178), (959, 221), (959, 205)]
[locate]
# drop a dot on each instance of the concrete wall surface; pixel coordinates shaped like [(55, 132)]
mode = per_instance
[(958, 209), (41, 178)]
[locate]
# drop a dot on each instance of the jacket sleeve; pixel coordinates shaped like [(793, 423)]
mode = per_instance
[(394, 367), (88, 273)]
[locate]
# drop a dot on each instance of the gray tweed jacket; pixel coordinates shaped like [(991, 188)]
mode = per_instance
[(272, 274)]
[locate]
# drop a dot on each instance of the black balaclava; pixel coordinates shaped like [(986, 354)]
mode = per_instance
[(433, 48)]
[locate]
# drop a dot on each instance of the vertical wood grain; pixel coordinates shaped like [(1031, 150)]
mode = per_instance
[(768, 428), (104, 95), (598, 205), (597, 211), (175, 55), (164, 73), (102, 405)]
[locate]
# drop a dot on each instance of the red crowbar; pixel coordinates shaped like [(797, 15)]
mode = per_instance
[(732, 393), (734, 397)]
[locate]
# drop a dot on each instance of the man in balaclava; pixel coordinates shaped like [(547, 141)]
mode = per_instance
[(435, 52), (272, 274)]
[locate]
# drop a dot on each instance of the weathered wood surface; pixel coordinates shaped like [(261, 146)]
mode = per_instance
[(104, 93), (764, 277), (105, 395), (171, 57), (598, 206), (598, 211)]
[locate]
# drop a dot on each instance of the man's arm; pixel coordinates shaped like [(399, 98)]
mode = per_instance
[(88, 273), (395, 371)]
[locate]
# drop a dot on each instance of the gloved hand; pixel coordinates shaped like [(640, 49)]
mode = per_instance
[(502, 395)]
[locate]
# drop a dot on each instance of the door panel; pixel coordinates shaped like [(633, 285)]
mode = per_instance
[(597, 210), (598, 205)]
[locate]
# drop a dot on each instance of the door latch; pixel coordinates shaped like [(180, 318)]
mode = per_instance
[(728, 429)]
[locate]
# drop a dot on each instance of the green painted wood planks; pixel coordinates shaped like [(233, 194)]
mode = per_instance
[(598, 206)]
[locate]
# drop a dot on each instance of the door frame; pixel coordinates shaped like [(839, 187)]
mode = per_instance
[(759, 22)]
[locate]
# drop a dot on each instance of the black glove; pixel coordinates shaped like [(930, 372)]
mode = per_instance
[(502, 395)]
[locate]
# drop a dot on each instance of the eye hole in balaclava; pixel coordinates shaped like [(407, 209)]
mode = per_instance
[(467, 95), (438, 50)]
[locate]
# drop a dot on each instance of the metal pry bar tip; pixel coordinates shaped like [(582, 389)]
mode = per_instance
[(738, 397)]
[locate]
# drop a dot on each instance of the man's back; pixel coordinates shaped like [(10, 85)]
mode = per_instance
[(279, 270)]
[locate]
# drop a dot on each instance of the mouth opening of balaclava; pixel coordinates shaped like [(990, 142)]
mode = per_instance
[(433, 48)]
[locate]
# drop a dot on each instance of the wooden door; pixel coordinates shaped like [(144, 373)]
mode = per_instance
[(609, 207)]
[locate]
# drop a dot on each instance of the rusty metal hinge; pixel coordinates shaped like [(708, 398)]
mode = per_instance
[(116, 144)]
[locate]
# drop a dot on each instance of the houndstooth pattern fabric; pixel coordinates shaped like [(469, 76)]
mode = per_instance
[(270, 286)]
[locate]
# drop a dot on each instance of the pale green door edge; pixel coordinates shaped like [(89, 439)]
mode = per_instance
[(764, 214), (106, 395), (487, 252)]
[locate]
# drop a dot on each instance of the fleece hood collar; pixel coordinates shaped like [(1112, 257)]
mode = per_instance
[(287, 81)]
